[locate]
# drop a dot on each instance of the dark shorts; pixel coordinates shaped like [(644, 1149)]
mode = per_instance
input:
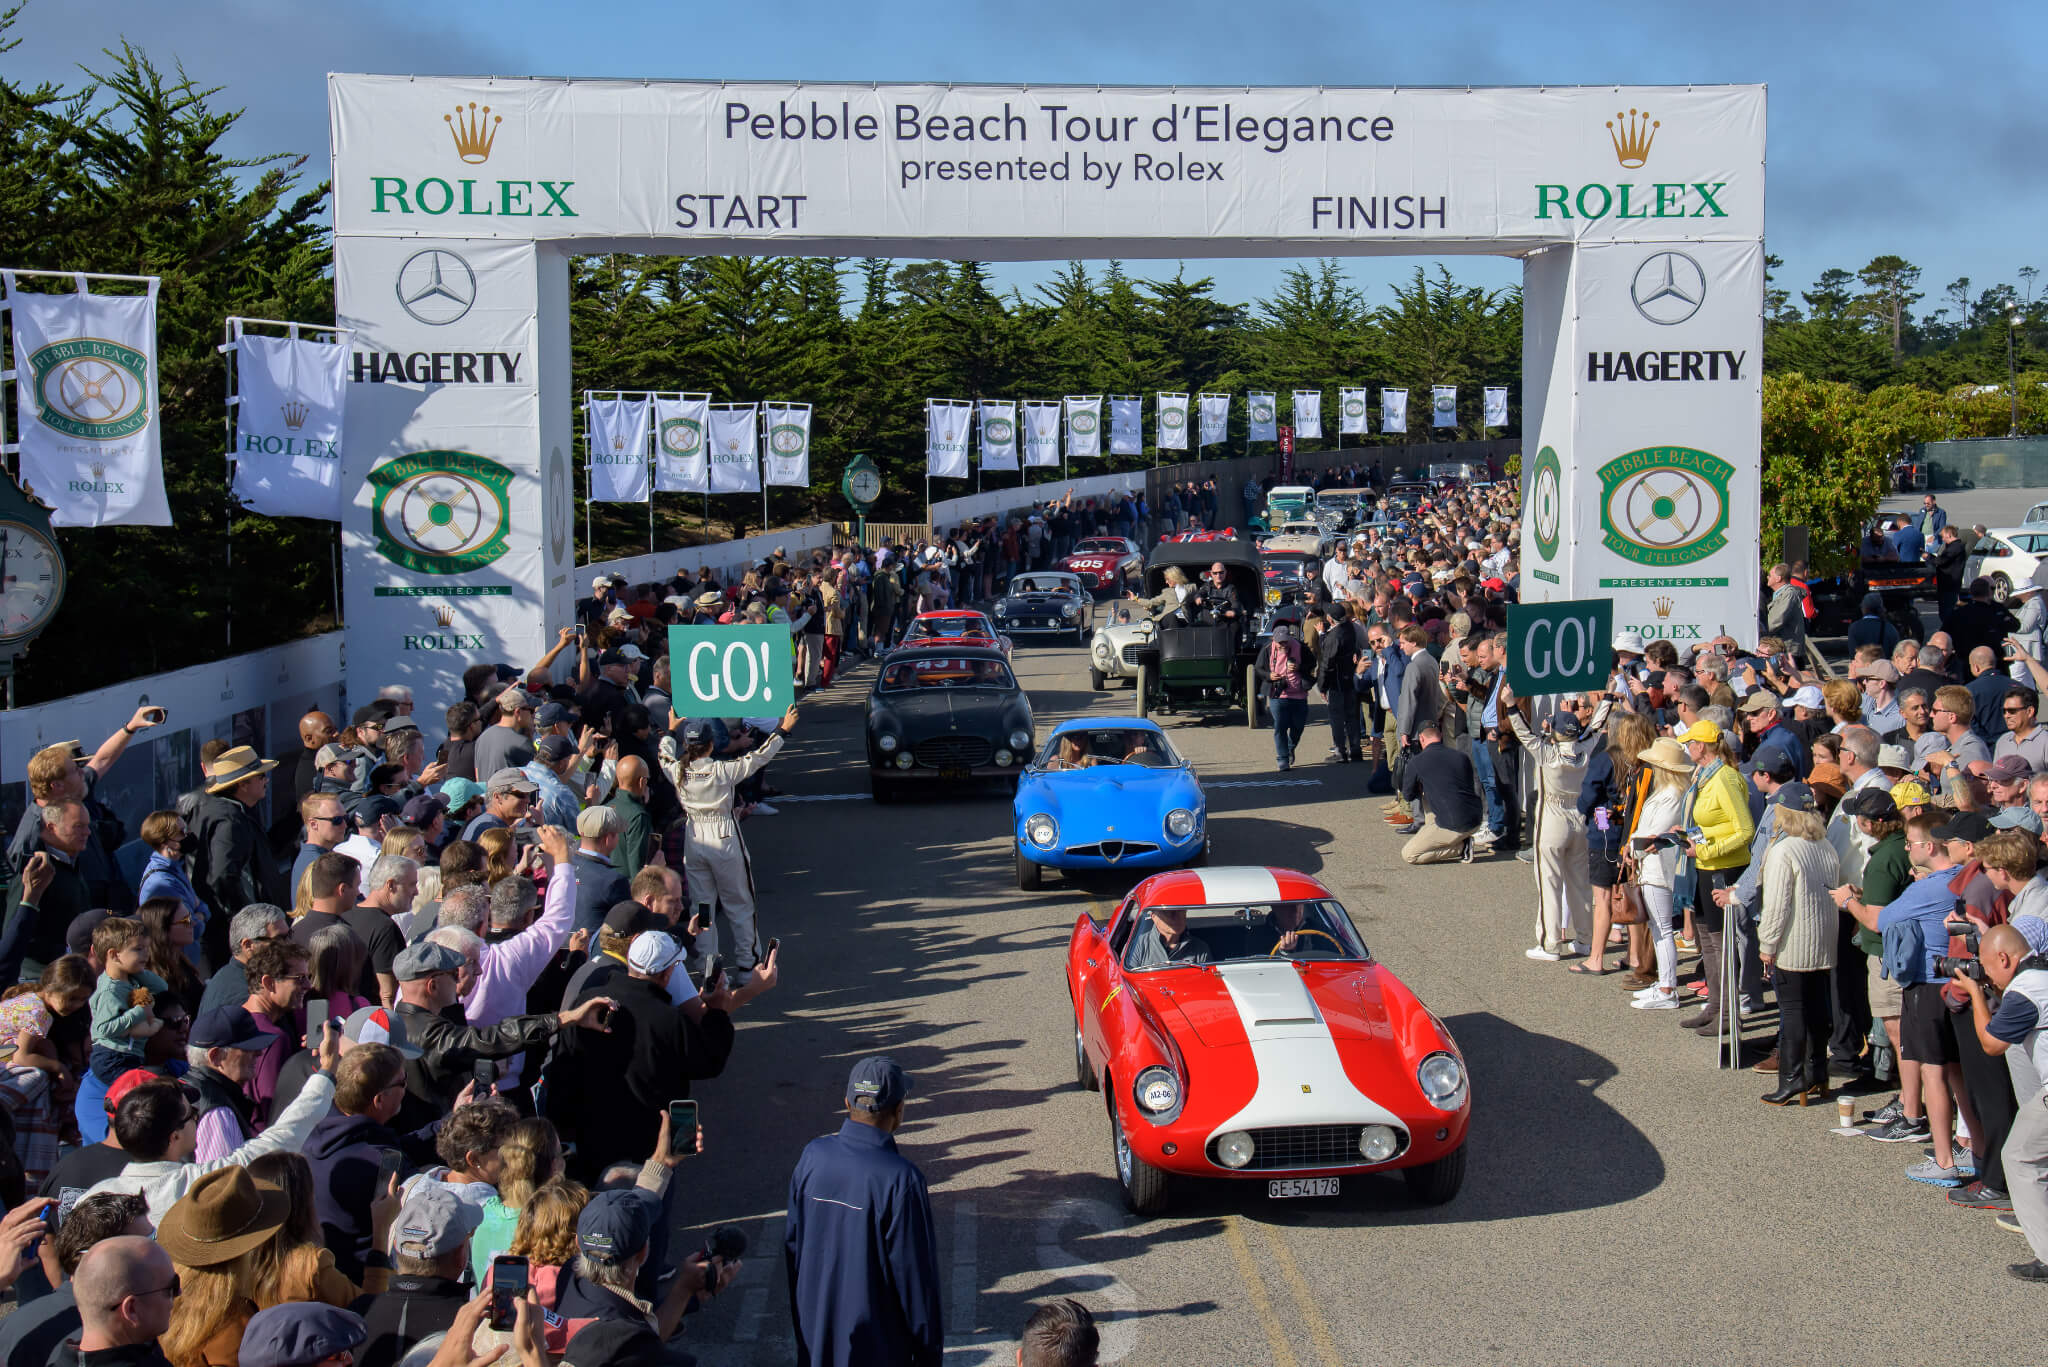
[(1603, 866), (1927, 1032)]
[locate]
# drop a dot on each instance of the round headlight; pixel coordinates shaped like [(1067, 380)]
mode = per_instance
[(1443, 1081), (1003, 758), (1101, 649), (1234, 1150), (1157, 1090), (903, 761), (1020, 739), (1180, 823), (1003, 606), (1042, 831), (1068, 609), (1377, 1143), (887, 744)]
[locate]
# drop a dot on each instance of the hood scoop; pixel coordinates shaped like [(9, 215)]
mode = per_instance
[(1271, 998)]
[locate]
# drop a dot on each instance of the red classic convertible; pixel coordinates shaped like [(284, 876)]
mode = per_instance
[(1237, 1027), (1105, 562)]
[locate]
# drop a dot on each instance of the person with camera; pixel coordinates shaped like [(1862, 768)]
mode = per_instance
[(2016, 1029)]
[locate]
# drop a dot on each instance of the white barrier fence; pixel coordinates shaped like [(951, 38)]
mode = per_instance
[(727, 559), (951, 512)]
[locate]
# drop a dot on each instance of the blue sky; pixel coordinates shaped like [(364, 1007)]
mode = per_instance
[(1893, 128)]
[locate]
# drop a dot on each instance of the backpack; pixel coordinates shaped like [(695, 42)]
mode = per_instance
[(1905, 952)]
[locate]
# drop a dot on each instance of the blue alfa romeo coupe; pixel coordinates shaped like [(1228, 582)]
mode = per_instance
[(1108, 794)]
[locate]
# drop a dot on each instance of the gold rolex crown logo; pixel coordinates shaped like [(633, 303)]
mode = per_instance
[(1632, 140), (98, 468), (295, 414), (444, 614), (1663, 606), (475, 131)]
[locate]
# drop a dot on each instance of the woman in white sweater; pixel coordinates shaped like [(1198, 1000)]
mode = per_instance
[(1656, 865), (1795, 939)]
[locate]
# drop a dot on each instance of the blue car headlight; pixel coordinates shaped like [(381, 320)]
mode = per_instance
[(1180, 823), (1042, 831)]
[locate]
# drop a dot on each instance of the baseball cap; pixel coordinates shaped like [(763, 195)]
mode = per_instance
[(616, 1223), (1628, 642), (434, 1221), (1910, 793), (400, 722), (300, 1333), (1894, 757), (602, 581), (460, 792), (696, 729), (553, 714), (1807, 695), (230, 1027), (329, 753), (511, 781), (422, 810), (1775, 761), (1758, 701), (376, 807), (877, 1083), (653, 952), (373, 714), (1703, 731), (1970, 826), (118, 1090), (2017, 818), (555, 749), (512, 699), (2009, 769), (631, 652), (1874, 803), (78, 935), (610, 657), (1875, 669), (378, 1025), (631, 918), (1796, 796), (424, 960)]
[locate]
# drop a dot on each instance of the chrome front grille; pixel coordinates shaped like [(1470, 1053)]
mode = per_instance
[(1113, 850), (1282, 1148), (953, 752), (1131, 655)]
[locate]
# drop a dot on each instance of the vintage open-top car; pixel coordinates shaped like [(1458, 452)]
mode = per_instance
[(945, 717), (1238, 1027), (1200, 534), (1046, 603), (943, 627), (1191, 661), (1108, 794), (1106, 562)]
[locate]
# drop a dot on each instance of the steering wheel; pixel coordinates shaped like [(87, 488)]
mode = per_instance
[(1324, 933)]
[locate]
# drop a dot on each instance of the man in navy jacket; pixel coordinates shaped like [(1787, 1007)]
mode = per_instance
[(861, 1252)]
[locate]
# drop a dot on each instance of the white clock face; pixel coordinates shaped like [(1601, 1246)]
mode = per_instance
[(31, 580), (867, 485)]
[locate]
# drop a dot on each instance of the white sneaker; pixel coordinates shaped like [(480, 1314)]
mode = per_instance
[(1539, 952), (1658, 1000), (1582, 948), (763, 809), (1482, 839), (1652, 990)]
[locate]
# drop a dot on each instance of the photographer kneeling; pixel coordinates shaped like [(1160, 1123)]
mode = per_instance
[(2018, 1028)]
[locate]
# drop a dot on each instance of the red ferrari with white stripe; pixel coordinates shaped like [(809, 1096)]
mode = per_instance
[(1237, 1027)]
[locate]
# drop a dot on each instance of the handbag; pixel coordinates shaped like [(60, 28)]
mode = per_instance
[(1628, 900)]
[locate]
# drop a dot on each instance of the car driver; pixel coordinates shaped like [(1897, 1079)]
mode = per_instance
[(1164, 939), (1138, 748), (1215, 602), (1281, 932)]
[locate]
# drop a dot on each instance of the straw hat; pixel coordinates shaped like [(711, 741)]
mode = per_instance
[(233, 766), (1667, 754), (224, 1215)]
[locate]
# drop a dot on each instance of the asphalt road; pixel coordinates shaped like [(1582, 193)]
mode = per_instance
[(1626, 1202)]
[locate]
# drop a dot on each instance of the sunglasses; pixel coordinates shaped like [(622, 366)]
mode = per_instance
[(174, 1287)]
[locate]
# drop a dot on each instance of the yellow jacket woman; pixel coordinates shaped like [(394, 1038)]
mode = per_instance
[(1720, 809)]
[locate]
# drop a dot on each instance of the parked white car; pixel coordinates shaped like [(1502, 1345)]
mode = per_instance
[(2036, 514), (1113, 650), (2010, 555)]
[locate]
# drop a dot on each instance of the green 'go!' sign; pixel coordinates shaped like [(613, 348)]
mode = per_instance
[(731, 671), (1560, 647)]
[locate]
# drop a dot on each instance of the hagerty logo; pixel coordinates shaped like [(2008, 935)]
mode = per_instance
[(91, 388), (441, 512), (1665, 505)]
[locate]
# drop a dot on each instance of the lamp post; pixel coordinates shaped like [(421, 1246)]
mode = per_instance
[(2012, 374)]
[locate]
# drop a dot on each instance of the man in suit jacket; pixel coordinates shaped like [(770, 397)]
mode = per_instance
[(1422, 689)]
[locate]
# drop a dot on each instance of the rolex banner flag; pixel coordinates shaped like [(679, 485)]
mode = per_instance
[(617, 432), (1041, 432), (679, 463), (1443, 406), (998, 435), (945, 438), (1170, 423), (1393, 410), (1351, 415), (1265, 418), (1084, 426), (1496, 407), (85, 395), (1308, 414), (788, 461), (734, 448), (1126, 426), (287, 413), (1215, 419)]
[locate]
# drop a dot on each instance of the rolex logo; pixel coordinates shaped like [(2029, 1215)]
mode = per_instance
[(1633, 138), (444, 614), (1663, 606), (475, 131), (98, 468), (295, 414)]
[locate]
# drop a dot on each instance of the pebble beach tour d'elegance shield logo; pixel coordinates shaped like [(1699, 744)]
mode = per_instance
[(998, 431), (91, 388), (1085, 421), (441, 512), (1665, 505), (1546, 502)]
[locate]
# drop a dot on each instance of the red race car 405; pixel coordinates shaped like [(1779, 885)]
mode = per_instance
[(1238, 1027)]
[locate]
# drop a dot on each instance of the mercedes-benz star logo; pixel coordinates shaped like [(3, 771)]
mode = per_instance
[(1669, 288), (436, 287)]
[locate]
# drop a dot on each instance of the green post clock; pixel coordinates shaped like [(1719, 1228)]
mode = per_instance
[(862, 485), (31, 575)]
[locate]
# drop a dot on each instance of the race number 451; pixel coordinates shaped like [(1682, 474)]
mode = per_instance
[(1559, 647), (736, 671)]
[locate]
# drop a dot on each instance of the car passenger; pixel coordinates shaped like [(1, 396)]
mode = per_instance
[(1072, 753), (1164, 940)]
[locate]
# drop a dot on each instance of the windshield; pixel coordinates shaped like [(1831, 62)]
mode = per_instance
[(1043, 583), (1111, 745), (1180, 937), (1337, 501), (949, 628), (1290, 569), (925, 675), (1101, 545)]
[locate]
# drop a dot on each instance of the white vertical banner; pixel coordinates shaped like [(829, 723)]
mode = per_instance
[(1308, 414), (1351, 414), (945, 438), (1170, 422), (998, 427), (288, 413), (1496, 407), (616, 430), (1264, 421), (1443, 406), (1042, 432), (788, 459), (1084, 426), (1126, 425), (680, 466), (1393, 410), (735, 448), (85, 384), (1215, 419)]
